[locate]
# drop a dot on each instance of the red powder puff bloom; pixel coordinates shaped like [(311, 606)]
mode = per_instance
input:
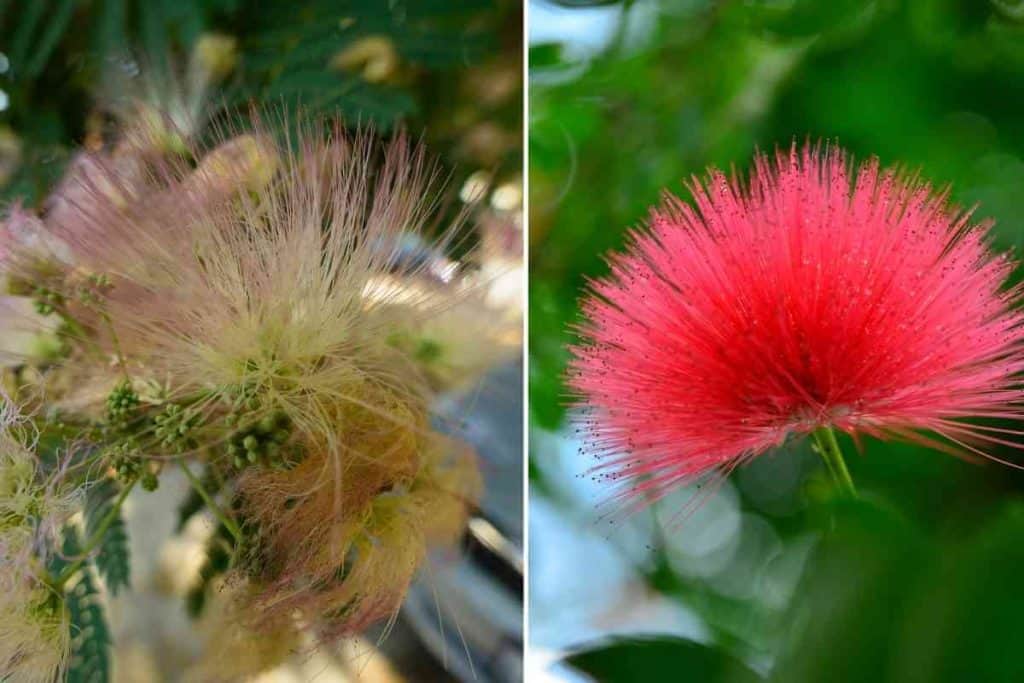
[(816, 297)]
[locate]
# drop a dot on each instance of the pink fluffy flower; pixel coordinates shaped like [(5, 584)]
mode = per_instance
[(817, 296)]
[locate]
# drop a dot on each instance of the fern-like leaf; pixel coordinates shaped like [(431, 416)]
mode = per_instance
[(112, 559), (90, 635), (56, 24)]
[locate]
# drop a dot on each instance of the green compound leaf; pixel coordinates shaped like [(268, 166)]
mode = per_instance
[(58, 561), (90, 635), (113, 561)]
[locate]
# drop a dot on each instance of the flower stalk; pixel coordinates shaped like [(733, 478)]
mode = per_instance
[(224, 519), (828, 447)]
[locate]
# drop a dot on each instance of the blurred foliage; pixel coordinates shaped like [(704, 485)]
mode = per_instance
[(654, 659), (112, 558), (885, 601), (881, 600), (915, 582), (451, 67)]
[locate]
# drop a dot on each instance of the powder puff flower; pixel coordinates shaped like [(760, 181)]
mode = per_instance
[(26, 244), (816, 297), (25, 335)]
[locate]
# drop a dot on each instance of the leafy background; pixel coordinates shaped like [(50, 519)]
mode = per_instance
[(457, 74), (773, 579)]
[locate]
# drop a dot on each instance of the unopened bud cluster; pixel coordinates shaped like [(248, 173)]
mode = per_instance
[(260, 441), (174, 426), (122, 402)]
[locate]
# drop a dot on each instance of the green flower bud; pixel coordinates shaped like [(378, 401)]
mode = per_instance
[(149, 481), (267, 424)]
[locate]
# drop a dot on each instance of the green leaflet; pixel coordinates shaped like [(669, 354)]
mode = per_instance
[(657, 658), (90, 635), (112, 558)]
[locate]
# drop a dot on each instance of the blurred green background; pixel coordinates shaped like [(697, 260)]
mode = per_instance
[(773, 579)]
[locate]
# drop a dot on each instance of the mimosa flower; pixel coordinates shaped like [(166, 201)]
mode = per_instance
[(34, 631), (91, 178), (34, 504), (254, 290), (25, 335), (816, 296), (25, 242), (35, 640), (345, 559), (232, 650), (456, 345), (255, 297), (164, 104)]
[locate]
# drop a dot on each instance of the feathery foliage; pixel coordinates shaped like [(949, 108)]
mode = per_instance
[(383, 62), (112, 557)]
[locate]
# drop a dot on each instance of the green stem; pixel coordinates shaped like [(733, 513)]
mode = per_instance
[(828, 447), (95, 539), (228, 523)]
